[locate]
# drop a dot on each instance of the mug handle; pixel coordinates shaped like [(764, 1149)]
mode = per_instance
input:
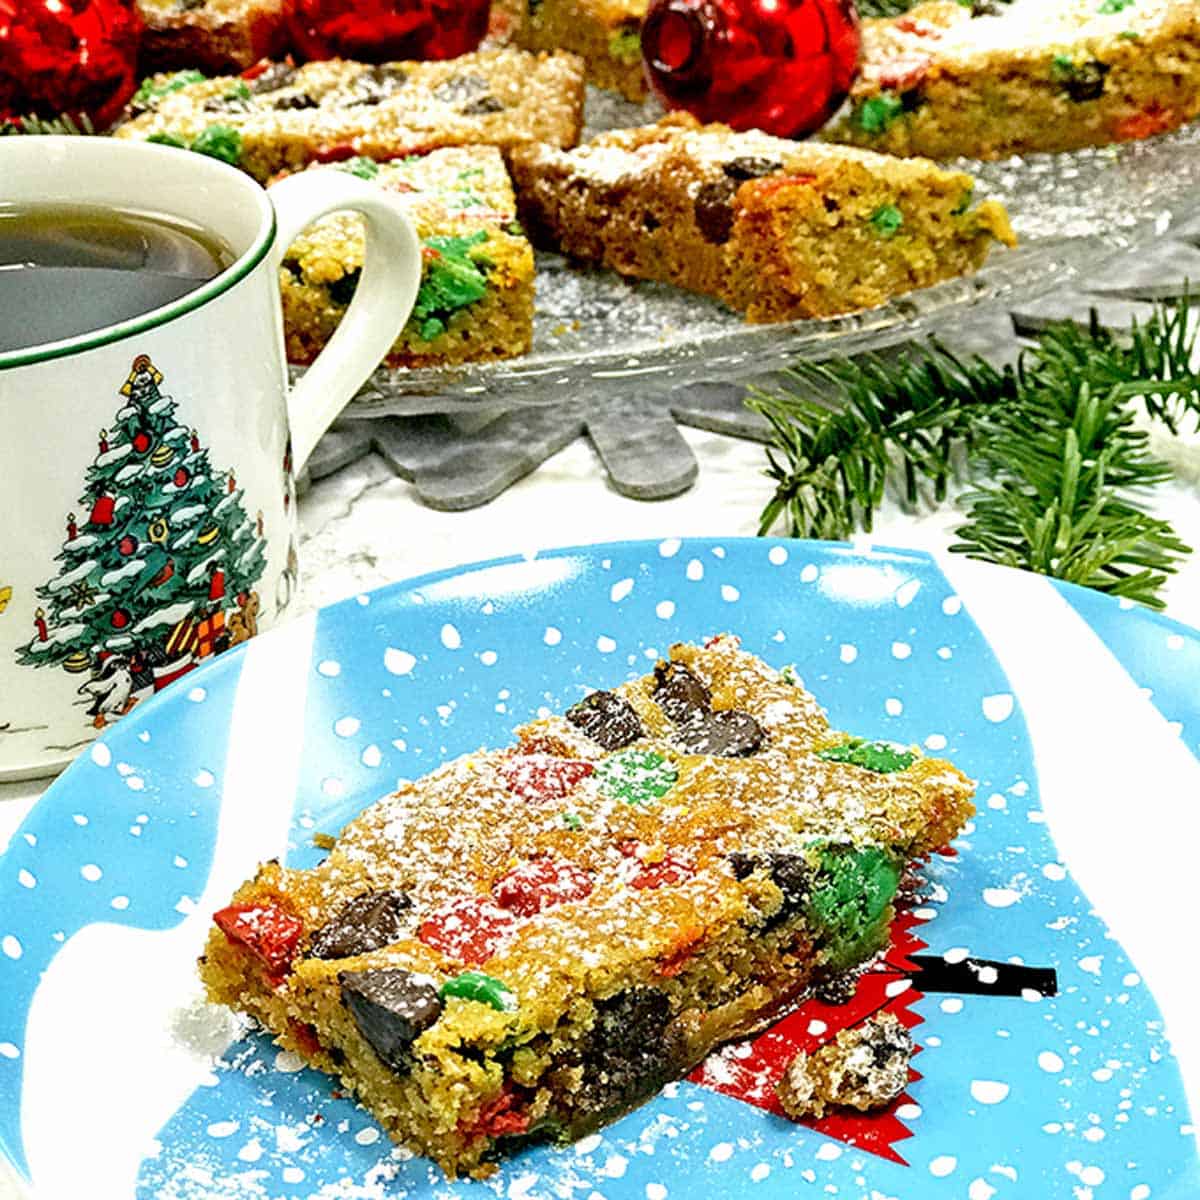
[(383, 299)]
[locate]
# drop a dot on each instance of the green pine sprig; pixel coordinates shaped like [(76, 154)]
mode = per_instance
[(1060, 470), (42, 125)]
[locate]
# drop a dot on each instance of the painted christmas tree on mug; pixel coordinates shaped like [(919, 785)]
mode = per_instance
[(160, 573)]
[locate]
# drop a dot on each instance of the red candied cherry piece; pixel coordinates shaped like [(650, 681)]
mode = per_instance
[(666, 871), (542, 777), (498, 1117), (539, 884), (265, 930), (469, 928)]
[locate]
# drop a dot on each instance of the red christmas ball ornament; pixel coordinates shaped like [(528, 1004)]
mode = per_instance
[(120, 618), (182, 476), (783, 66), (73, 57), (126, 546), (386, 30), (141, 439)]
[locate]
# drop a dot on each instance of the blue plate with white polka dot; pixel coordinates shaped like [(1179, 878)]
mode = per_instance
[(1078, 716)]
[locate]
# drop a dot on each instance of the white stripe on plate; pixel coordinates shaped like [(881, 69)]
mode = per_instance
[(1118, 785), (118, 1035)]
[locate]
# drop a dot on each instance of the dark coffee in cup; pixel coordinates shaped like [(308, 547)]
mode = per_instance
[(69, 269)]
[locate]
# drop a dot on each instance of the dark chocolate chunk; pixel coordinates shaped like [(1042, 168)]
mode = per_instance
[(1082, 81), (294, 101), (629, 1052), (392, 1008), (365, 923), (275, 76), (293, 268), (462, 89), (791, 874), (481, 107), (608, 719), (342, 290), (748, 166), (189, 5), (837, 989), (228, 104), (713, 210), (377, 83), (678, 692), (726, 733)]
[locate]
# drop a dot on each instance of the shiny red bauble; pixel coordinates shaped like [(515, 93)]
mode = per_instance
[(783, 66), (119, 618), (141, 441), (386, 30), (72, 57)]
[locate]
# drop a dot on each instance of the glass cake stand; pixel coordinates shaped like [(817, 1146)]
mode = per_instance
[(596, 333)]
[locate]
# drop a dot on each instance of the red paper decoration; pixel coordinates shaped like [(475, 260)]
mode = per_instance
[(68, 57), (387, 30), (783, 66)]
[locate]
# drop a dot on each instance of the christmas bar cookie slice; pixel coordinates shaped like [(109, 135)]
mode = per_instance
[(530, 941), (606, 34), (985, 81), (476, 296), (286, 117), (776, 229), (210, 35)]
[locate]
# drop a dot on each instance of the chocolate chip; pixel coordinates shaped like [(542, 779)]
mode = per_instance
[(461, 89), (297, 100), (713, 210), (189, 5), (277, 75), (365, 923), (788, 871), (628, 1053), (481, 107), (377, 83), (392, 1008), (1086, 82), (726, 733), (608, 719), (678, 692), (749, 167), (837, 989), (342, 289)]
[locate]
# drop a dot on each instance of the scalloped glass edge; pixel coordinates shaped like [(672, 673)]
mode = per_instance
[(596, 334)]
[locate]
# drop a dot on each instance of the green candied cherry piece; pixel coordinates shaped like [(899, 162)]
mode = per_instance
[(364, 168), (850, 902), (790, 675), (150, 90), (876, 115), (626, 45), (167, 139), (573, 821), (636, 776), (483, 989), (452, 280), (221, 142), (888, 220), (871, 756)]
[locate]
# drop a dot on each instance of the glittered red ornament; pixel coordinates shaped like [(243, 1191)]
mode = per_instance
[(73, 57), (182, 476), (120, 618), (141, 439), (386, 30), (783, 66)]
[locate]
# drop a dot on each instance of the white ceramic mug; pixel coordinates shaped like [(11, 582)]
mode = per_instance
[(147, 469)]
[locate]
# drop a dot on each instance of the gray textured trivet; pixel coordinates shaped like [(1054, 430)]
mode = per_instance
[(457, 462)]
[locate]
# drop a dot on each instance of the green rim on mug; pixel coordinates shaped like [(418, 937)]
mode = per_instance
[(217, 286)]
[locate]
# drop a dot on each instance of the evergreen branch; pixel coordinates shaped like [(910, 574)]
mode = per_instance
[(1067, 469), (40, 125)]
